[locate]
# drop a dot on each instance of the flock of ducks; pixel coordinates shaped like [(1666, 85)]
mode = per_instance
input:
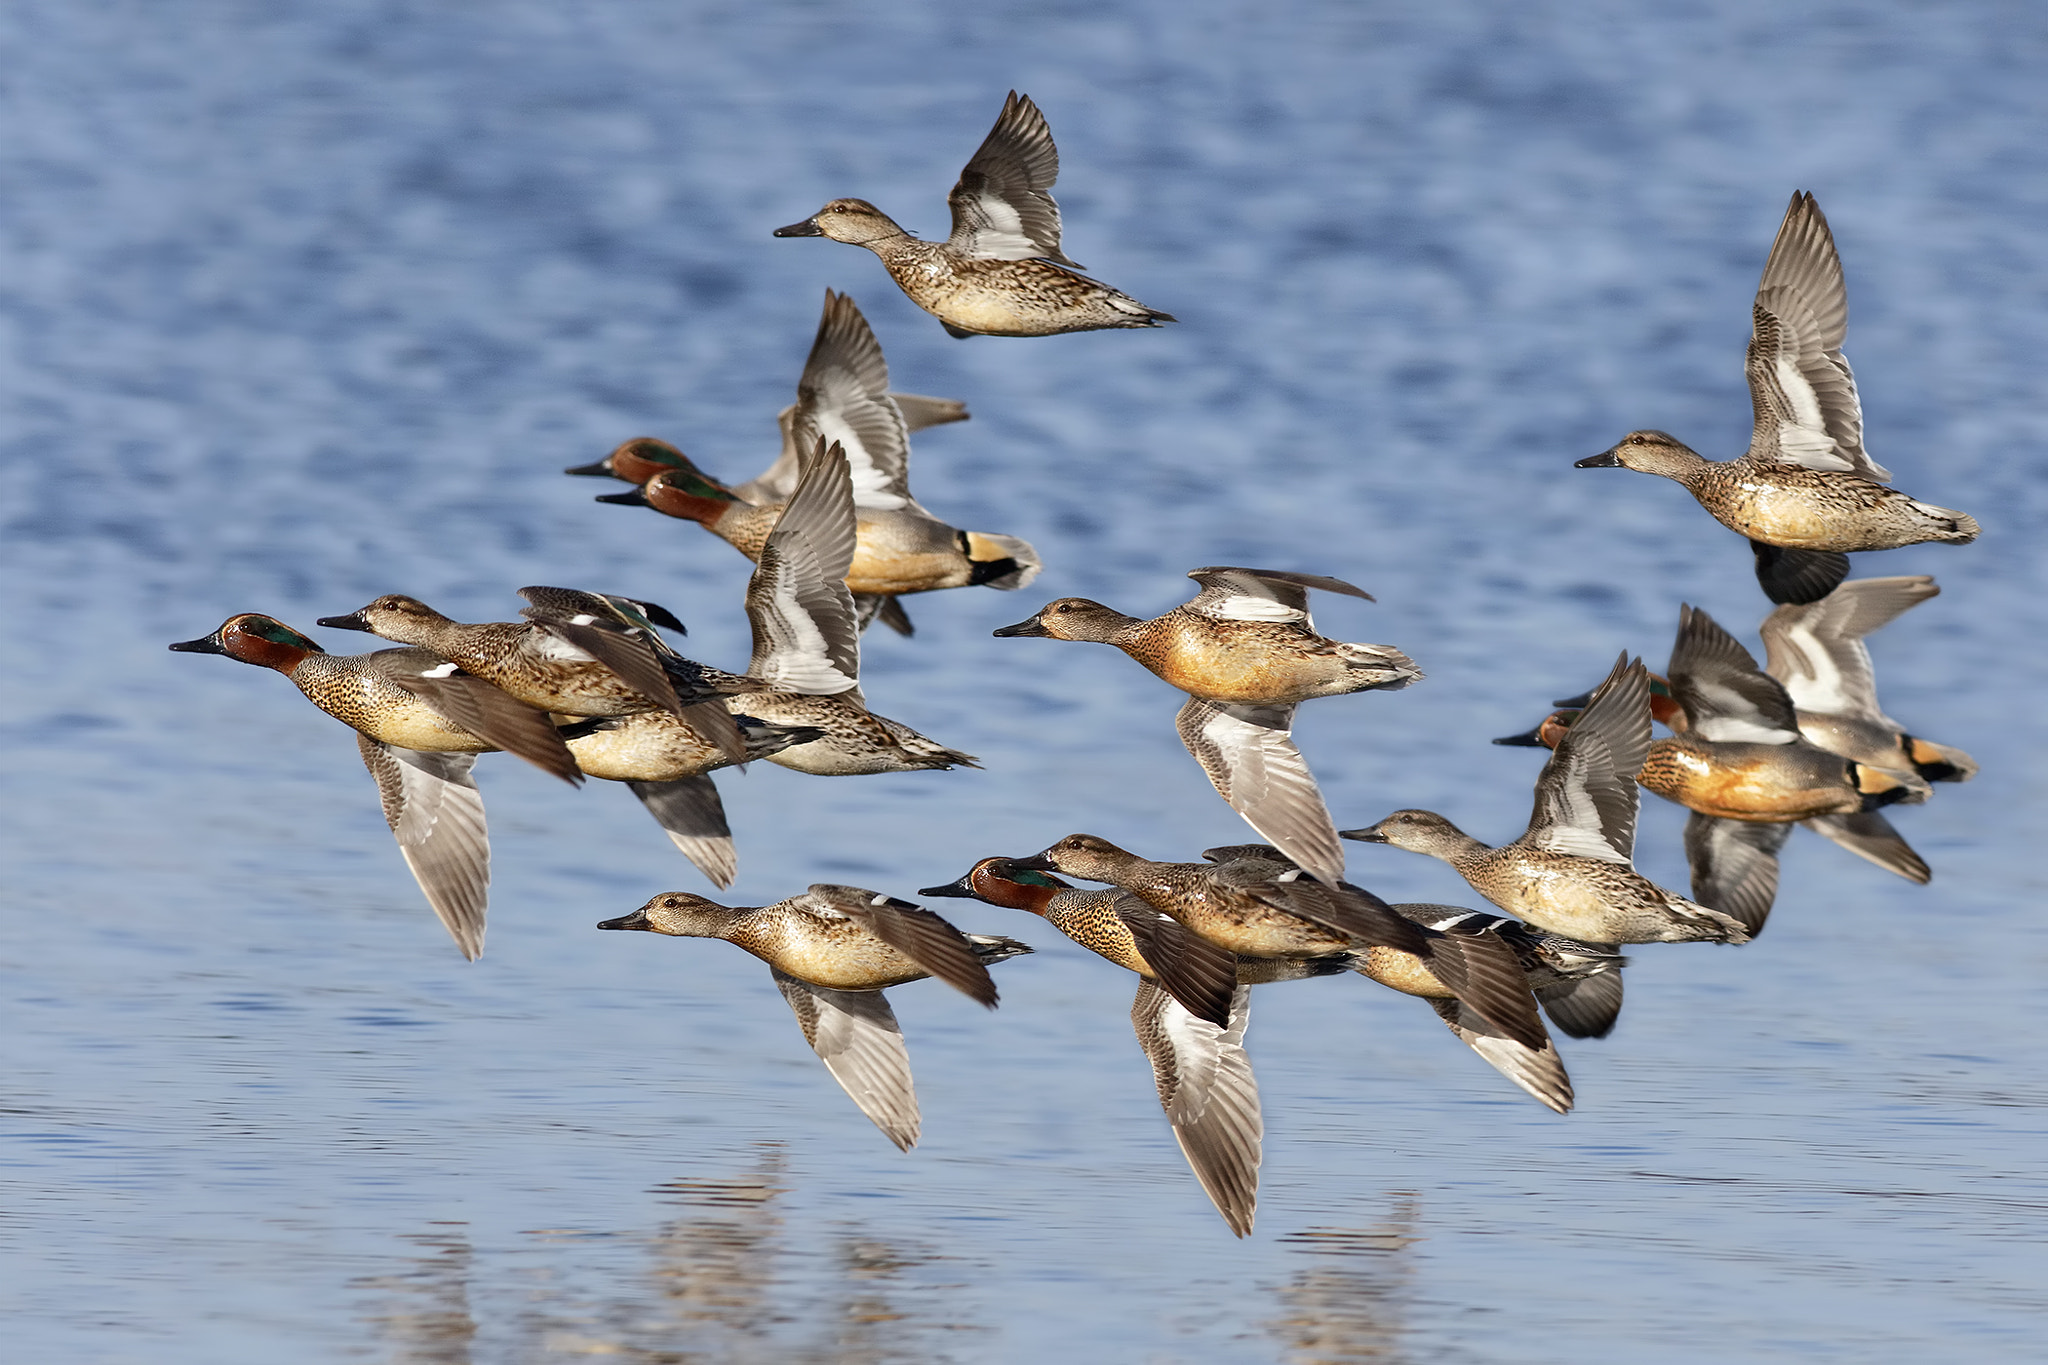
[(584, 686)]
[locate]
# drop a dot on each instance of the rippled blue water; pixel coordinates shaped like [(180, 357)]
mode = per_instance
[(303, 303)]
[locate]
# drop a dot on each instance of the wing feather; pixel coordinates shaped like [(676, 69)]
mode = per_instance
[(1002, 208), (437, 815), (1209, 1094), (856, 1035), (1586, 796)]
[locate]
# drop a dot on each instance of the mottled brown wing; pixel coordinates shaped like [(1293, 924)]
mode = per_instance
[(918, 934), (1489, 979), (493, 716), (1194, 971), (1252, 761), (1586, 796)]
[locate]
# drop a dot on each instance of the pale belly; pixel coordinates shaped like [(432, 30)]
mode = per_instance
[(651, 747)]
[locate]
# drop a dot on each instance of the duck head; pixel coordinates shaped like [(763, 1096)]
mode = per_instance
[(1547, 733), (676, 913), (1071, 618), (1086, 856), (636, 461), (393, 616), (1418, 831), (254, 639), (845, 220), (685, 493), (1002, 881), (1652, 452)]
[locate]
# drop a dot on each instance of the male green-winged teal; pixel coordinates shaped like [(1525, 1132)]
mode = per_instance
[(1572, 872), (1246, 651), (1002, 272), (900, 547), (419, 722), (833, 950), (805, 669), (1805, 492), (1190, 1017), (1262, 907)]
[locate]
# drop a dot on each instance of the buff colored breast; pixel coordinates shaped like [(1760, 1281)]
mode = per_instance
[(653, 746), (1552, 895), (1404, 972)]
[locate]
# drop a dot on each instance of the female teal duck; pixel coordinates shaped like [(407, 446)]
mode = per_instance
[(1002, 272), (833, 950), (1805, 492), (1246, 651), (900, 548), (1573, 871), (420, 722)]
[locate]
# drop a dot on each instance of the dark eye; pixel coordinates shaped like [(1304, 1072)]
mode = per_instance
[(669, 902), (1064, 607)]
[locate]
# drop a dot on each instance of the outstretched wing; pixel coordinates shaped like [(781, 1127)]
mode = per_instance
[(923, 937), (1001, 208), (805, 634), (1807, 412), (1817, 650), (690, 810), (1727, 698), (1252, 760), (1586, 796), (856, 1034), (1209, 1094), (437, 815), (1234, 594), (844, 397), (1735, 866)]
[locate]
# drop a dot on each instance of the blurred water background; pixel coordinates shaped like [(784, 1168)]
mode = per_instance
[(302, 303)]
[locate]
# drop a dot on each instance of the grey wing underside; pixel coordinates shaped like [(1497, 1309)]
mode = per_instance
[(1586, 797), (806, 637), (1002, 210), (1583, 1006), (1804, 394), (1735, 866), (775, 483), (437, 815), (1816, 650), (1539, 1072), (856, 1035), (690, 810), (1252, 760), (844, 397), (1869, 835), (1209, 1094)]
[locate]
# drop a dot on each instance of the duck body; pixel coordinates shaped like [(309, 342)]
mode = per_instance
[(1572, 871), (1790, 505), (855, 742), (978, 297), (532, 661), (1001, 272), (654, 746), (1768, 783)]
